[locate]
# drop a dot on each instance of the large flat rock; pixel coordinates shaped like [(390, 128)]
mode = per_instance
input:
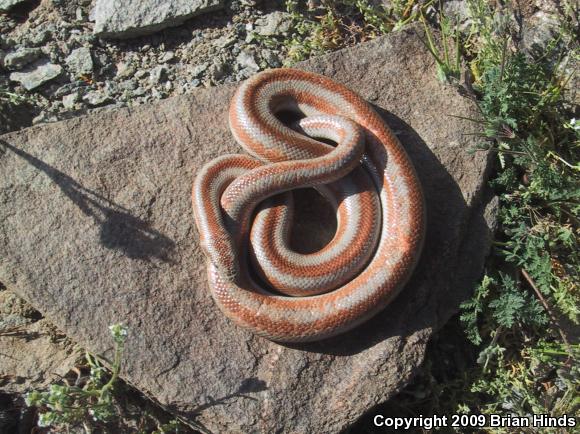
[(130, 18), (96, 228)]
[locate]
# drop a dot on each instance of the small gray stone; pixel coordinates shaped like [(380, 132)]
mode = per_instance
[(125, 70), (96, 98), (80, 61), (491, 215), (6, 5), (271, 58), (458, 12), (241, 75), (218, 70), (167, 57), (275, 23), (69, 88), (128, 85), (247, 64), (21, 57), (538, 30), (42, 36), (156, 93), (197, 70), (141, 74), (102, 59), (44, 118), (79, 14), (246, 60), (130, 18), (158, 74), (111, 87), (226, 41), (139, 91), (38, 76), (69, 101)]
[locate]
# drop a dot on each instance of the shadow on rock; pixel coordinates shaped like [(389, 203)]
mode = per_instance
[(248, 385), (119, 230)]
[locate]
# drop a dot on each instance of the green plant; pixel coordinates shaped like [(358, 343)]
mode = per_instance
[(488, 37), (524, 314), (173, 426), (527, 382), (521, 313), (338, 24), (448, 60), (95, 399), (505, 305), (65, 405), (10, 96)]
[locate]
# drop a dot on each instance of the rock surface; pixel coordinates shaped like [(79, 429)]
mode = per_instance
[(37, 76), (80, 61), (96, 98), (6, 5), (21, 57), (96, 228), (275, 23), (32, 353), (130, 18)]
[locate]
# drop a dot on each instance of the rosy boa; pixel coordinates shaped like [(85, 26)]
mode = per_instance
[(244, 222)]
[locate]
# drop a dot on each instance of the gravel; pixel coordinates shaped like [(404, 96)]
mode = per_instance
[(54, 53), (55, 60)]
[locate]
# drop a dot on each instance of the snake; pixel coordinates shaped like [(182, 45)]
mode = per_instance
[(305, 130)]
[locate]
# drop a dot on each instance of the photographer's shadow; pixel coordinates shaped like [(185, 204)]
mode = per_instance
[(119, 230)]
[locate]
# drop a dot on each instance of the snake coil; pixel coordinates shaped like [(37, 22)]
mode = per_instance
[(243, 210)]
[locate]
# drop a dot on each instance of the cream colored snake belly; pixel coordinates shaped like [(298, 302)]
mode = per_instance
[(243, 210)]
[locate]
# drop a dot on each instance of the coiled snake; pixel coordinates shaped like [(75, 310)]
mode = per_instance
[(243, 210)]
